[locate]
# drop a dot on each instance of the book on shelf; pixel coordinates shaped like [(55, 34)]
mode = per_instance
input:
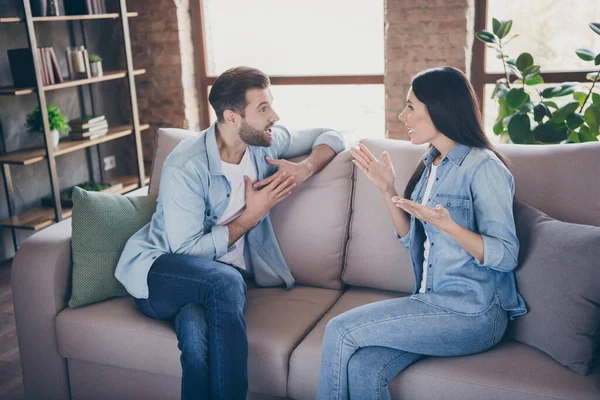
[(86, 121), (93, 128), (56, 68), (78, 7), (78, 63), (53, 9), (21, 67), (88, 135)]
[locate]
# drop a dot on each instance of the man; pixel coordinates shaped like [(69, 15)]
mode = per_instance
[(211, 225)]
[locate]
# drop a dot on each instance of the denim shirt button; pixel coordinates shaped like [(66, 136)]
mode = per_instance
[(208, 213), (429, 265), (448, 204), (228, 194), (432, 244), (215, 217), (429, 289)]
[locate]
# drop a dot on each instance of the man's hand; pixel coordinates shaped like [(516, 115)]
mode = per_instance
[(299, 171), (260, 202)]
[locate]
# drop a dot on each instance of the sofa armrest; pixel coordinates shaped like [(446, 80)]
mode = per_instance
[(41, 277)]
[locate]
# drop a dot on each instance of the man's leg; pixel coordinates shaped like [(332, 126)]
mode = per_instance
[(175, 281), (191, 326)]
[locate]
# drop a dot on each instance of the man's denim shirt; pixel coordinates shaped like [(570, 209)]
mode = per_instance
[(194, 195), (478, 190)]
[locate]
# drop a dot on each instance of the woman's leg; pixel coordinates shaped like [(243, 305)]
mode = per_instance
[(177, 281), (371, 368), (402, 324)]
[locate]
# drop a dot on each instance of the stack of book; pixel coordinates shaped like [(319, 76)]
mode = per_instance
[(88, 128)]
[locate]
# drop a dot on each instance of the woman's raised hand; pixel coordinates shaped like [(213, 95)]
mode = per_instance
[(381, 174)]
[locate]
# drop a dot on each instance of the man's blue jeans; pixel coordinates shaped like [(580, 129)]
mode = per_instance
[(205, 300), (368, 346)]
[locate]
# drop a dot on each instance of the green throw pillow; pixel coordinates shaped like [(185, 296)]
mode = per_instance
[(102, 223)]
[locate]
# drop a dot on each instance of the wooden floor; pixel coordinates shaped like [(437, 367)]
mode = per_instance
[(11, 382)]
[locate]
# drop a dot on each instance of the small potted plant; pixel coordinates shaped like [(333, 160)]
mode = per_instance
[(58, 122), (96, 65)]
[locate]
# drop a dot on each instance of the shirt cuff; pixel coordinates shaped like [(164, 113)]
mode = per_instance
[(332, 139), (220, 235), (404, 240), (492, 252)]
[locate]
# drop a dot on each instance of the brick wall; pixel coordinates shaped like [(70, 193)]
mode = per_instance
[(421, 34), (161, 41)]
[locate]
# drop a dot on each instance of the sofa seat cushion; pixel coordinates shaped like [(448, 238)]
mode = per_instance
[(510, 370), (115, 333), (306, 358)]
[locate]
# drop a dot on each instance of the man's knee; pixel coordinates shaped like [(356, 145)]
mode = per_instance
[(191, 326), (231, 286)]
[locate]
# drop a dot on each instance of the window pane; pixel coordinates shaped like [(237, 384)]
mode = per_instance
[(550, 30), (357, 111), (320, 37)]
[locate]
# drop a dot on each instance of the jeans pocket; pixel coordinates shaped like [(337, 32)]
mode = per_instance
[(145, 307)]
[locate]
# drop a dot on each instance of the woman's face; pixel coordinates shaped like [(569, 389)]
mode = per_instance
[(416, 118)]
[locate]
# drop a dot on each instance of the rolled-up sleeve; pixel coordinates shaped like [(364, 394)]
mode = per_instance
[(182, 200), (404, 240), (293, 143), (492, 188)]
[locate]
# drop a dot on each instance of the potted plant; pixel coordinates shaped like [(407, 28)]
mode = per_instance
[(58, 122), (525, 120), (96, 65)]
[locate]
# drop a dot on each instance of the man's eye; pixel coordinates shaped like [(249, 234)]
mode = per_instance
[(262, 109)]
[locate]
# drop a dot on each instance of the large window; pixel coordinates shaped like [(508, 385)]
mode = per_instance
[(325, 58), (551, 30)]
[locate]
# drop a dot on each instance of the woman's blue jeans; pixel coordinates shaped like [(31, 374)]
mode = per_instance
[(205, 300), (365, 348)]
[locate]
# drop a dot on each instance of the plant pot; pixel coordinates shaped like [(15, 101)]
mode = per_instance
[(96, 68), (55, 137), (38, 8)]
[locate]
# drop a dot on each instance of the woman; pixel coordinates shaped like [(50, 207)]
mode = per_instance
[(456, 219)]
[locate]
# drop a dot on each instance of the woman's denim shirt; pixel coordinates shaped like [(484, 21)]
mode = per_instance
[(478, 190)]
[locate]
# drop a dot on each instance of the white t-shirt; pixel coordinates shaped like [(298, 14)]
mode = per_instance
[(237, 203), (427, 245)]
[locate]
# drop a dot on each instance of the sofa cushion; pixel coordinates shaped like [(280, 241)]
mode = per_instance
[(312, 225), (102, 223), (558, 277), (558, 180), (115, 333), (166, 140), (509, 371), (374, 256), (305, 362)]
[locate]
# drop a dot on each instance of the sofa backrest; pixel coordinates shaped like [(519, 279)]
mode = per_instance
[(311, 225), (562, 181)]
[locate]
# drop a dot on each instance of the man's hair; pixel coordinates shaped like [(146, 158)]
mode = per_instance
[(229, 90)]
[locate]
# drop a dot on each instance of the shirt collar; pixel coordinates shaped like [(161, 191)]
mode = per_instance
[(212, 151), (456, 155)]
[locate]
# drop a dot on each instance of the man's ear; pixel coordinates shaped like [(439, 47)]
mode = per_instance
[(230, 117)]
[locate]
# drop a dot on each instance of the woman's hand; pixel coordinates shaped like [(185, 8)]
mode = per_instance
[(437, 216), (381, 174)]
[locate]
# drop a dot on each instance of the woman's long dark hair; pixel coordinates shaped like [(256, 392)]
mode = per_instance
[(454, 110)]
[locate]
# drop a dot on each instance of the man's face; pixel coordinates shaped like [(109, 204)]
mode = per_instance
[(259, 117)]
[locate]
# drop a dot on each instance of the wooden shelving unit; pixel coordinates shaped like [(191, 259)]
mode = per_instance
[(37, 218), (108, 76), (69, 17)]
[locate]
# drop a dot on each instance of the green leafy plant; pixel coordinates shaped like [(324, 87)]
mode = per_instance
[(56, 121), (95, 58), (534, 121)]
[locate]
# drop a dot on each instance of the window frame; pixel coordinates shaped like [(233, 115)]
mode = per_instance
[(479, 76), (203, 80)]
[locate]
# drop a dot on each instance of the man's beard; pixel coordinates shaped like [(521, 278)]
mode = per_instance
[(254, 137)]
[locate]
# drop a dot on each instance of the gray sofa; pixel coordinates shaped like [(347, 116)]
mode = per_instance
[(338, 241)]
